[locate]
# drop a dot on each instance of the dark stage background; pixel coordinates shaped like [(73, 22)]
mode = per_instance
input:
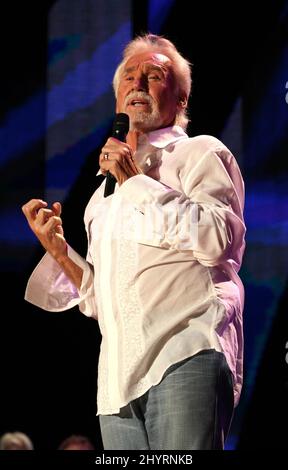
[(57, 63)]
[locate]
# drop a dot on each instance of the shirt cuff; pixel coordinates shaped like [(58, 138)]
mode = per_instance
[(50, 289)]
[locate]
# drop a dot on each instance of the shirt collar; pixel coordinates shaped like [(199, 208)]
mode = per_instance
[(163, 137)]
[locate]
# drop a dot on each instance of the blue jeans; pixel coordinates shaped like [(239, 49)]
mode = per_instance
[(191, 408)]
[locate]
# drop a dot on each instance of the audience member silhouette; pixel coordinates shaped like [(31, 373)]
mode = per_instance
[(76, 442), (16, 441)]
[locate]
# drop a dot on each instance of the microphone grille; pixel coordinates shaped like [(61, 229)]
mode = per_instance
[(121, 120)]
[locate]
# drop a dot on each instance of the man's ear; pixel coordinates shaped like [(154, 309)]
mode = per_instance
[(182, 102)]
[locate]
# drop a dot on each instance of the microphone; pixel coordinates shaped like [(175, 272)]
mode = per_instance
[(119, 131)]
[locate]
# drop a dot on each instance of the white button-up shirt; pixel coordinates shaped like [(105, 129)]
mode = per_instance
[(161, 269)]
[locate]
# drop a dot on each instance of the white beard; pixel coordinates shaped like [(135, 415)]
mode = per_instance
[(145, 121)]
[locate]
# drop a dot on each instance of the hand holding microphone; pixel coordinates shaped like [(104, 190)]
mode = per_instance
[(116, 158)]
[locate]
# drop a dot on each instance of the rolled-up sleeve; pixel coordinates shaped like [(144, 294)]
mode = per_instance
[(50, 289)]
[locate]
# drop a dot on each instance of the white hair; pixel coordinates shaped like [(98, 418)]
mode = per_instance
[(181, 67), (15, 441)]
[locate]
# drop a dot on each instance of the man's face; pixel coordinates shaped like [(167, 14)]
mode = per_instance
[(147, 92)]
